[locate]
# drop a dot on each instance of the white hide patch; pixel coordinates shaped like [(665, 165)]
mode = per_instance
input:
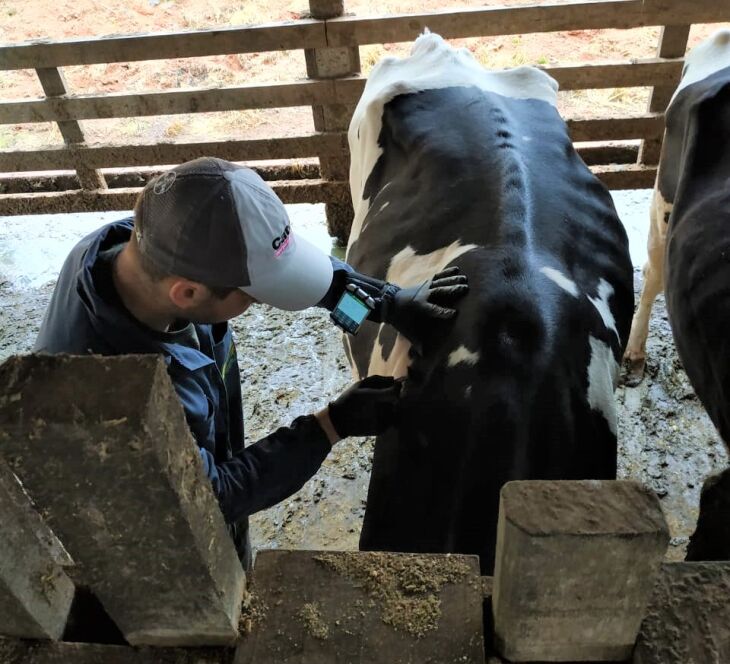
[(462, 355), (561, 280), (433, 64), (704, 60), (397, 362), (603, 372), (467, 392), (407, 268), (605, 291)]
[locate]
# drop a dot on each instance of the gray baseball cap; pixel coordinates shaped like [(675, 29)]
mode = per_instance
[(220, 224)]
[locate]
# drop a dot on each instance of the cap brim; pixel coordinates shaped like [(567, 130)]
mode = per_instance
[(299, 282)]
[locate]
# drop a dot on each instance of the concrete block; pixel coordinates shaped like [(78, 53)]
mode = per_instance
[(102, 447), (15, 491), (575, 565), (367, 607), (688, 619), (35, 592), (14, 651)]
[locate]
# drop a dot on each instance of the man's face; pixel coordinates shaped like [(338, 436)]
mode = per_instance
[(213, 309)]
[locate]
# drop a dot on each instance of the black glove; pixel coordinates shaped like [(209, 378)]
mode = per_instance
[(366, 408), (409, 309), (412, 310)]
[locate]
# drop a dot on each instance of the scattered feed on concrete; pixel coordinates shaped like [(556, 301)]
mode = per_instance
[(253, 611), (310, 615), (406, 586)]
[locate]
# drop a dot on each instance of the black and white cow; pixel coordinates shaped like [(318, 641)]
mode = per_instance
[(456, 165), (689, 256)]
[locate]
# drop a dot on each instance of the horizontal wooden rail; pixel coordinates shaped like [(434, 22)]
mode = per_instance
[(489, 21), (109, 156), (615, 129), (89, 107), (306, 169), (355, 30), (641, 73), (184, 44), (303, 93), (289, 191), (630, 176), (330, 144), (613, 176), (119, 178)]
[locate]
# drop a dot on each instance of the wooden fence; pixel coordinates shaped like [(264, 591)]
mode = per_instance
[(330, 41)]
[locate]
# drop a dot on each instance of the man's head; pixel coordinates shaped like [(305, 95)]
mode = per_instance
[(214, 237)]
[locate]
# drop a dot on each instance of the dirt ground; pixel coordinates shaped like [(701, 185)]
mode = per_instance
[(22, 20), (292, 364)]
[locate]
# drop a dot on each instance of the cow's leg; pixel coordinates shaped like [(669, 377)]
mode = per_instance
[(711, 538), (653, 284)]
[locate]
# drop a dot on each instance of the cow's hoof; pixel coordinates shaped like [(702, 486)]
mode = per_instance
[(634, 371)]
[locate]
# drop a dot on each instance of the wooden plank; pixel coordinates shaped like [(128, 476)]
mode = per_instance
[(54, 86), (302, 93), (172, 102), (334, 144), (365, 607), (347, 31), (615, 176), (15, 651), (619, 153), (28, 183), (184, 44), (289, 191), (611, 129), (107, 156), (672, 43), (489, 21), (643, 73), (632, 176)]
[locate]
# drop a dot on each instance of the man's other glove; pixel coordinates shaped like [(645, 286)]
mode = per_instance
[(366, 408), (408, 310)]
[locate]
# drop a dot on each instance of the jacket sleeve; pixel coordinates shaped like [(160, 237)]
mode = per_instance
[(269, 470), (262, 474)]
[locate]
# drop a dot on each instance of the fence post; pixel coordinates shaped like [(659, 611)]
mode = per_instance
[(329, 63), (672, 44), (53, 84)]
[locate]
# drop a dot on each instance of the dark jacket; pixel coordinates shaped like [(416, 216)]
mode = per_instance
[(86, 315)]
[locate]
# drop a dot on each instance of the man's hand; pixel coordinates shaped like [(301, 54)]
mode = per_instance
[(366, 408), (411, 310)]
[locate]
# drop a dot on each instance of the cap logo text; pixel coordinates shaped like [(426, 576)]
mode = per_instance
[(282, 242), (164, 182)]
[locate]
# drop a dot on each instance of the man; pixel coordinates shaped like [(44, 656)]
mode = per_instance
[(208, 239)]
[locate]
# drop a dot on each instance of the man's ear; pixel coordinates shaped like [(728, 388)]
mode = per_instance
[(186, 294)]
